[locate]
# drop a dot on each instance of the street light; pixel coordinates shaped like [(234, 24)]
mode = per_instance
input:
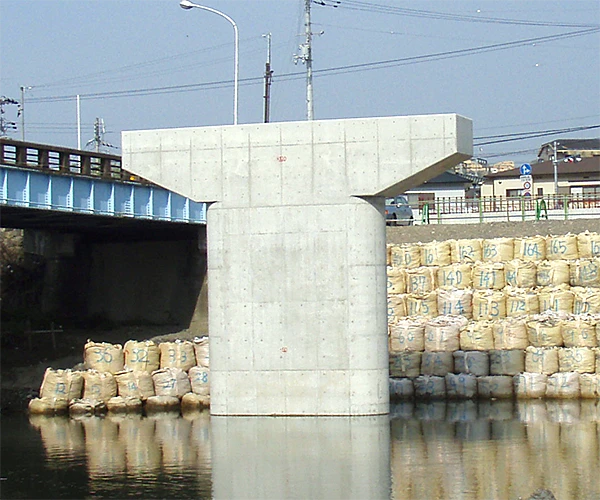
[(187, 4)]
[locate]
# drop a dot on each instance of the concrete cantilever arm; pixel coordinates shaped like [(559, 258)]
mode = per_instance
[(296, 249)]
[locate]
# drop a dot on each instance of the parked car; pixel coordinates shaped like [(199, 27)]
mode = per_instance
[(398, 212)]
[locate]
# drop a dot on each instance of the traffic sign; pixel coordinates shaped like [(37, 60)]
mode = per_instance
[(525, 169)]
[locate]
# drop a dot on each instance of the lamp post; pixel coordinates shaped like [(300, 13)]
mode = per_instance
[(187, 4)]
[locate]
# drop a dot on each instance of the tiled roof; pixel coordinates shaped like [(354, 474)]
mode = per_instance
[(545, 168)]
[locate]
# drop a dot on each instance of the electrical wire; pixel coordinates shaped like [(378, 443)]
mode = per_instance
[(530, 135)]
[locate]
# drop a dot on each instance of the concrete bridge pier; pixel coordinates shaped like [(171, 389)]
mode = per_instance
[(296, 249)]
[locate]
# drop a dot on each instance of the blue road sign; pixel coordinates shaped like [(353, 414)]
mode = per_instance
[(526, 169)]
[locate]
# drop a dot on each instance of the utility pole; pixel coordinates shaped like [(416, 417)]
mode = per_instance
[(6, 125), (306, 57), (268, 76), (98, 139), (555, 165), (22, 110)]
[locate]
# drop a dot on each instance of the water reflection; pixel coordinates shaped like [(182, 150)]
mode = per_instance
[(436, 450)]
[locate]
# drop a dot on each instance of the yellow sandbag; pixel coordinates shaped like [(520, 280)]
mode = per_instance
[(563, 386), (586, 300), (200, 380), (396, 307), (201, 350), (454, 276), (577, 359), (178, 354), (497, 249), (544, 331), (132, 384), (530, 248), (417, 305), (171, 382), (194, 402), (435, 253), (61, 384), (99, 386), (552, 273), (442, 333), (520, 273), (541, 360), (562, 247), (488, 275), (556, 299), (405, 255), (579, 331), (510, 333), (455, 302), (530, 385), (585, 272), (466, 251), (477, 336), (104, 357), (141, 356), (48, 406), (396, 280), (589, 385), (407, 335), (588, 244), (120, 404), (489, 305), (421, 280), (521, 302)]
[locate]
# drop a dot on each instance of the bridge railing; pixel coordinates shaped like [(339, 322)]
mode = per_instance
[(60, 160), (500, 208)]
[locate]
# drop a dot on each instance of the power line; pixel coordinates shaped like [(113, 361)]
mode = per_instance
[(531, 135), (322, 72)]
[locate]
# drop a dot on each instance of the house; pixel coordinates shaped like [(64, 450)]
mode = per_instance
[(566, 148), (574, 177), (446, 185)]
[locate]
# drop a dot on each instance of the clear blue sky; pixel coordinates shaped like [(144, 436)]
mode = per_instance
[(111, 51)]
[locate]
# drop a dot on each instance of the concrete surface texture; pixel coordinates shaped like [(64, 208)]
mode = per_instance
[(296, 249)]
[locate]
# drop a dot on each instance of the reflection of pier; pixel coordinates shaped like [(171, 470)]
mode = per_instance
[(444, 449)]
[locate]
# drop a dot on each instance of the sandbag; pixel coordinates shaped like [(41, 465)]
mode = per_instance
[(406, 255), (530, 248), (552, 273), (442, 333), (497, 249), (563, 385), (162, 403), (579, 331), (510, 333), (507, 362), (541, 360), (405, 364), (141, 356), (99, 386), (120, 404), (495, 386), (396, 307), (589, 385), (556, 299), (437, 363), (420, 281), (520, 273), (472, 362), (48, 406), (488, 276), (477, 336), (461, 386), (489, 305), (407, 335), (588, 244), (396, 280), (103, 357), (530, 385), (563, 247), (194, 402), (430, 387), (200, 380), (577, 359), (585, 272), (178, 354), (454, 276), (455, 302), (172, 382), (422, 306), (201, 351), (61, 385), (521, 302), (586, 300), (134, 384), (544, 331), (435, 253), (87, 407), (401, 388), (466, 251)]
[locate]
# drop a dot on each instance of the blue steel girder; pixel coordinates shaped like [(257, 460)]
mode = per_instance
[(31, 189)]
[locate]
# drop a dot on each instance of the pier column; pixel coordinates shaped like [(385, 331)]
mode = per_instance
[(296, 249)]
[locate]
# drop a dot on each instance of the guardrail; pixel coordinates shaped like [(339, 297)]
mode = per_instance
[(66, 161), (498, 209)]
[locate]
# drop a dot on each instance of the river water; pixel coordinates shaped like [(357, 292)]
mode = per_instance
[(437, 450)]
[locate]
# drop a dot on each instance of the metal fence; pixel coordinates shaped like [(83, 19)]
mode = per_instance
[(499, 208)]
